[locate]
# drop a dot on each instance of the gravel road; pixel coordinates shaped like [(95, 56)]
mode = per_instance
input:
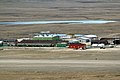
[(59, 65)]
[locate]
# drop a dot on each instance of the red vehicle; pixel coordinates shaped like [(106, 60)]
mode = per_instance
[(77, 46)]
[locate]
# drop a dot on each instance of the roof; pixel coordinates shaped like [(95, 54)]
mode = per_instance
[(39, 41), (77, 44), (78, 35), (85, 38), (90, 36), (109, 38), (8, 40), (1, 42), (99, 41), (49, 35)]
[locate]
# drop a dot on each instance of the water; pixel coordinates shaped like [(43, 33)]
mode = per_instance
[(58, 22)]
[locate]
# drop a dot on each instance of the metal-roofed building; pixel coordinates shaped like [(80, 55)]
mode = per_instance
[(1, 43), (93, 37), (37, 43)]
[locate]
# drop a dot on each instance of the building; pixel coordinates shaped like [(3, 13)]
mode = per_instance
[(37, 43), (92, 37), (78, 35), (105, 42), (9, 42), (62, 44), (1, 43), (85, 40), (112, 40), (77, 46)]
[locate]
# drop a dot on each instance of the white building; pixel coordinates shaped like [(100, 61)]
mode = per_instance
[(85, 40), (94, 37)]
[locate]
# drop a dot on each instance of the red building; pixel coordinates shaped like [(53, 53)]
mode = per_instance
[(77, 46)]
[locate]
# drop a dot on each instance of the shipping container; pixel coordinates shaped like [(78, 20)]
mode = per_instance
[(61, 44)]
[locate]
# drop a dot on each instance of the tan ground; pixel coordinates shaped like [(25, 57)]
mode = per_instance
[(53, 53), (59, 76), (23, 10), (102, 30), (61, 53), (19, 10)]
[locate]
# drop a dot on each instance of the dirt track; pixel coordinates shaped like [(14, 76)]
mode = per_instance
[(57, 64), (60, 65), (59, 69), (61, 53)]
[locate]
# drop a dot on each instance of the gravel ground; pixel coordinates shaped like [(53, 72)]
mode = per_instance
[(28, 10)]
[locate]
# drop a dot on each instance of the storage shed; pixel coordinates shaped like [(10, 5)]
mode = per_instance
[(37, 43), (116, 42), (112, 40), (84, 40), (105, 42), (61, 44)]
